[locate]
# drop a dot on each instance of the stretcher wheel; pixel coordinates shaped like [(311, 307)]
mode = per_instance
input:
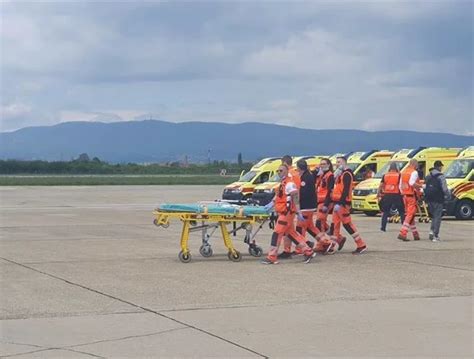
[(397, 220), (155, 222), (234, 257), (390, 220), (206, 251), (184, 257), (255, 251), (193, 223), (420, 220), (165, 225)]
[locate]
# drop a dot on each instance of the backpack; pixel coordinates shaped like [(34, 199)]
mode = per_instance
[(434, 191)]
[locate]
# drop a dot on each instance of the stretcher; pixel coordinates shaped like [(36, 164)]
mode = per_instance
[(208, 217), (421, 212)]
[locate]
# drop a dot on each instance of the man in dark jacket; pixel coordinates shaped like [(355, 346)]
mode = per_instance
[(436, 193)]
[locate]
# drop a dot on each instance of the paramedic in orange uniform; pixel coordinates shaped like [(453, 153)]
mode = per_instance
[(325, 185), (390, 197), (342, 199), (287, 205), (410, 189)]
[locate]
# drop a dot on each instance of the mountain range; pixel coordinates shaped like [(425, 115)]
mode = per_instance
[(161, 141)]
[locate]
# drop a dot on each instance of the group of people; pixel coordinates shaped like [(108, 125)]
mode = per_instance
[(307, 194), (311, 196), (401, 191)]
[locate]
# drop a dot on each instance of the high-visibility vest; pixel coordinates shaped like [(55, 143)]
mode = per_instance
[(322, 186), (406, 189), (283, 202), (339, 187), (295, 177), (391, 181)]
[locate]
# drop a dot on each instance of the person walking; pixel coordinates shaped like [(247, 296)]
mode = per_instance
[(286, 204), (436, 192), (323, 243), (342, 199), (390, 197), (410, 189), (325, 185)]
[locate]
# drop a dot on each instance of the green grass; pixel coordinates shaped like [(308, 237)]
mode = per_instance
[(98, 180)]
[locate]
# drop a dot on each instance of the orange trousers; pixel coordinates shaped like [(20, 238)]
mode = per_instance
[(323, 241), (342, 215), (322, 217), (285, 226), (410, 213)]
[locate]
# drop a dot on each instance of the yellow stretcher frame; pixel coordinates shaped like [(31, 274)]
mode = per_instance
[(213, 221), (421, 212)]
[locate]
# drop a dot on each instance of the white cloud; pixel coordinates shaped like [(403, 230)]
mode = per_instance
[(315, 53)]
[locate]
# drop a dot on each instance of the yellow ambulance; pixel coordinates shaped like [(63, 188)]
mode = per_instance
[(460, 178), (364, 196), (364, 165), (263, 193), (258, 174)]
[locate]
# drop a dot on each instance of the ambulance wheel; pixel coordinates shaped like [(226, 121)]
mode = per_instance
[(206, 251), (256, 251), (184, 257), (464, 209), (234, 257)]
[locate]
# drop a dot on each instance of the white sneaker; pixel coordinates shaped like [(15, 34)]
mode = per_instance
[(431, 236), (436, 239)]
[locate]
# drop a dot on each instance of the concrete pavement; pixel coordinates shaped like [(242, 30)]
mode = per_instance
[(84, 272)]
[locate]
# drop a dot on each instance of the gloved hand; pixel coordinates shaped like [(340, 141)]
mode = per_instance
[(324, 209), (269, 206), (337, 207), (300, 217)]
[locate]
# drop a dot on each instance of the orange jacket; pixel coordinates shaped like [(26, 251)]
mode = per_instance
[(391, 181), (295, 176), (283, 201), (342, 192), (406, 189), (325, 185)]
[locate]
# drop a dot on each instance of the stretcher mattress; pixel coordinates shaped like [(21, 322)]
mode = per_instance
[(218, 208)]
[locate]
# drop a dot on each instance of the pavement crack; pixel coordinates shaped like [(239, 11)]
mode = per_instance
[(426, 264), (138, 306), (81, 352), (125, 338), (24, 353)]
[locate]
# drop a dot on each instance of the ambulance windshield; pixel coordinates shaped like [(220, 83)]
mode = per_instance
[(459, 168), (248, 177), (384, 169)]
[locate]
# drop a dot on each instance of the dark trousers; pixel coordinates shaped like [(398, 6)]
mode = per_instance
[(436, 212), (389, 202)]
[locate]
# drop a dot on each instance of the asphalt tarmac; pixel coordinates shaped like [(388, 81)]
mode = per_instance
[(85, 273)]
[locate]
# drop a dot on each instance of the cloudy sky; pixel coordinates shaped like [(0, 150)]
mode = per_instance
[(315, 64)]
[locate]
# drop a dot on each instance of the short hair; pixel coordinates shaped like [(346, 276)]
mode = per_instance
[(286, 159), (344, 158), (393, 166), (302, 164)]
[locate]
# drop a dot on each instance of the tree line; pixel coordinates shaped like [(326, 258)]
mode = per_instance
[(96, 166)]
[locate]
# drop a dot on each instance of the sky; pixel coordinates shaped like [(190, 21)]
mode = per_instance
[(378, 65)]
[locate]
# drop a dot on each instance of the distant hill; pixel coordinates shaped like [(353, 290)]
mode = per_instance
[(160, 141)]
